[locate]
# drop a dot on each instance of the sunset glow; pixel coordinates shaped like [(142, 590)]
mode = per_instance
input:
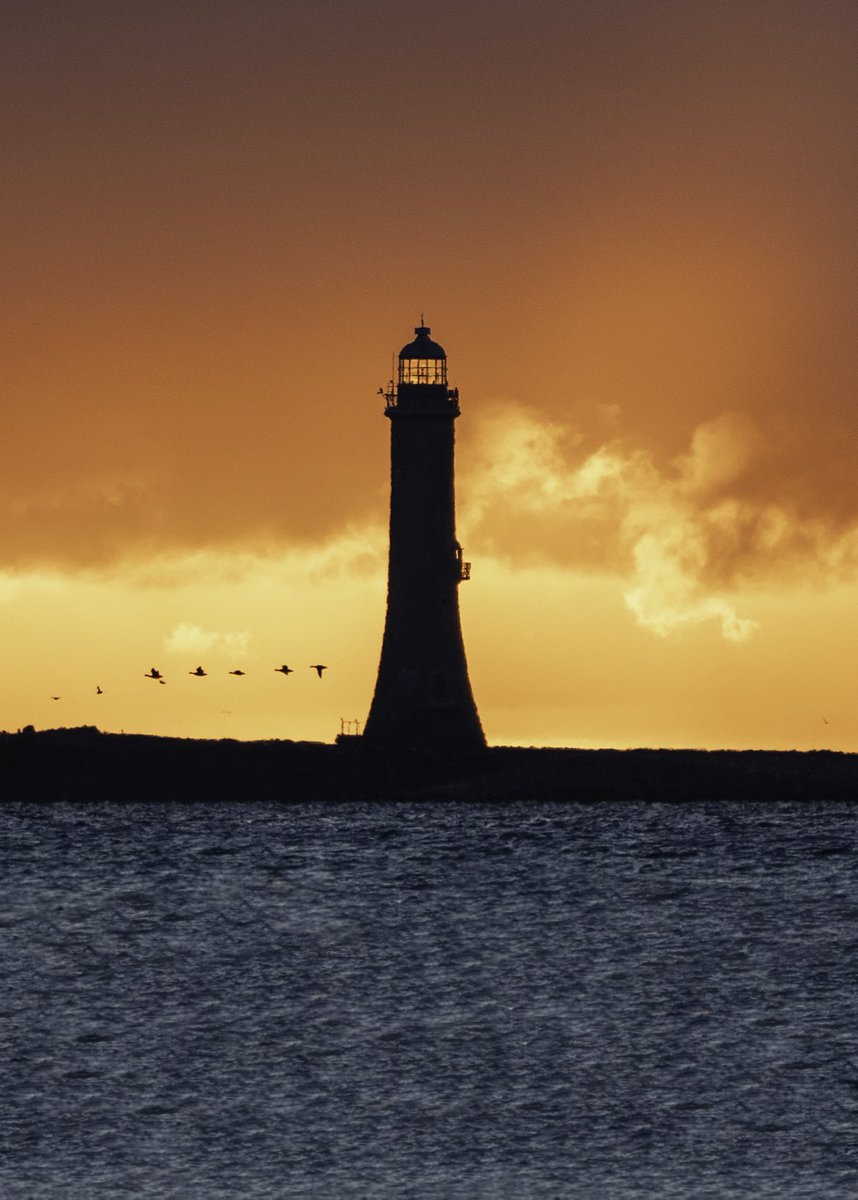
[(631, 225)]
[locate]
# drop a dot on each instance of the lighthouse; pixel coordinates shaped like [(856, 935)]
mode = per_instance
[(423, 694)]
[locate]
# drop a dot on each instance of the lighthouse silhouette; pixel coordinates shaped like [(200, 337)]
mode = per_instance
[(423, 694)]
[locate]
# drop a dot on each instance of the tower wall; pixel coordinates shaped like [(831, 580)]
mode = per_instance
[(423, 694)]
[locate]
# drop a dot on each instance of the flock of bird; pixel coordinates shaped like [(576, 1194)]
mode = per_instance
[(199, 673)]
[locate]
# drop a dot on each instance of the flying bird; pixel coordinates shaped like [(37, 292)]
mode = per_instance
[(200, 673), (56, 697), (318, 668), (154, 674), (284, 670), (98, 690), (238, 672)]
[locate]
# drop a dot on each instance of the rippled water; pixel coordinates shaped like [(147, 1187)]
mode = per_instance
[(447, 1000)]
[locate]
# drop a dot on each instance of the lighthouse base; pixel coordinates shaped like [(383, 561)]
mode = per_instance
[(410, 710)]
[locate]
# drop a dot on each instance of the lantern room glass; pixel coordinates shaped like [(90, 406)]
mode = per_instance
[(423, 370)]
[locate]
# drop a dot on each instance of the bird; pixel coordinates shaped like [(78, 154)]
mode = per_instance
[(154, 674), (318, 668), (56, 697), (98, 690), (238, 672), (200, 673), (284, 670)]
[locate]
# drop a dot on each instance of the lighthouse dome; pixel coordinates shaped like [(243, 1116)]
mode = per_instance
[(422, 346)]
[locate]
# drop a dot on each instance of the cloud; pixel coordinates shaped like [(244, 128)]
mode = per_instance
[(685, 536), (354, 553), (191, 639), (721, 451), (667, 595), (95, 492)]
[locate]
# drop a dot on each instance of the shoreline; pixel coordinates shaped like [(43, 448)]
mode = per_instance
[(84, 764)]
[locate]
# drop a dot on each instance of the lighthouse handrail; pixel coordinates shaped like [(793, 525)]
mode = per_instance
[(391, 396)]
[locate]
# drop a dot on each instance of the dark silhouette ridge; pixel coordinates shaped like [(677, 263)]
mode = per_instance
[(87, 765)]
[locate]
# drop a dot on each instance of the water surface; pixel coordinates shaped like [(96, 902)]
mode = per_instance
[(439, 1000)]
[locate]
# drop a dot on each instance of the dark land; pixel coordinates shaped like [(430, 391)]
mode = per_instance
[(85, 764)]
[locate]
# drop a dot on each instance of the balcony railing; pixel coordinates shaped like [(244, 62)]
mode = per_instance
[(391, 398)]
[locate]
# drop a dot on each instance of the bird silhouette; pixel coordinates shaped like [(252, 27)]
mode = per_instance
[(318, 668), (284, 670), (56, 697), (238, 672), (98, 690), (200, 673), (154, 674)]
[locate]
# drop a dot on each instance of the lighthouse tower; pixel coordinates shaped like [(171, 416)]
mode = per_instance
[(423, 695)]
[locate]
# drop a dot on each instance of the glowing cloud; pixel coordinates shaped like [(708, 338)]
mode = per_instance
[(667, 595), (191, 639), (677, 534)]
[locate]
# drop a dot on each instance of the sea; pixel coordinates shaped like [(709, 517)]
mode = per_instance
[(428, 1000)]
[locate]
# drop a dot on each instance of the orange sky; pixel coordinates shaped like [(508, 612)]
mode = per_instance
[(632, 227)]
